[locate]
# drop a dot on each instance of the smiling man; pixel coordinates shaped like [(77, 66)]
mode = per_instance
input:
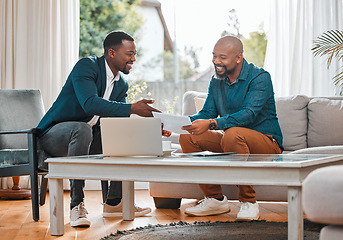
[(239, 115), (94, 89)]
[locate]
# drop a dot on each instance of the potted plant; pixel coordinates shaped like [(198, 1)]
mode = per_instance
[(330, 43)]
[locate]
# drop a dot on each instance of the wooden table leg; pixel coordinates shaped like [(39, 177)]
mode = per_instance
[(128, 201), (56, 207), (295, 214)]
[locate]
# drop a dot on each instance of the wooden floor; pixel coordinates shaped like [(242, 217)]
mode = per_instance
[(16, 219)]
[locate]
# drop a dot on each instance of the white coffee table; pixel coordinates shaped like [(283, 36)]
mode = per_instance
[(281, 170)]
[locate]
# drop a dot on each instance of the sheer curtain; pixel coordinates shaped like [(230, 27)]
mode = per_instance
[(39, 45), (294, 24)]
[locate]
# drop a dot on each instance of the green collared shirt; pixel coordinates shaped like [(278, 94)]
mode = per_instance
[(247, 102)]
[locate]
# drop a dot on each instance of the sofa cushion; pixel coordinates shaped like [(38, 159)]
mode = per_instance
[(320, 150), (292, 115), (325, 118)]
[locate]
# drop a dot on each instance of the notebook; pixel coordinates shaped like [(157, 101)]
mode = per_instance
[(131, 136)]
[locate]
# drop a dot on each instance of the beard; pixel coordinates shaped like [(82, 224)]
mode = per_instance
[(218, 75), (225, 74), (126, 69)]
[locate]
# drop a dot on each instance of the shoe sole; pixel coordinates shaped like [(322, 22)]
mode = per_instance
[(81, 224), (247, 219), (120, 214), (211, 213)]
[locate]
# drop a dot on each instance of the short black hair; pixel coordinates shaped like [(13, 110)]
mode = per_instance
[(114, 39)]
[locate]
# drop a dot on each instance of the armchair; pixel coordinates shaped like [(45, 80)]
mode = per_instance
[(20, 111)]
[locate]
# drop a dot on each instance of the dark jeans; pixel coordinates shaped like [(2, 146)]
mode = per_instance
[(76, 139)]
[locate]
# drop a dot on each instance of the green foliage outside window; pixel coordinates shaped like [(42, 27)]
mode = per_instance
[(255, 48), (99, 17), (185, 68), (137, 91)]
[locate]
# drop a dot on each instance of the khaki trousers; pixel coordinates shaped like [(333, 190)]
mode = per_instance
[(235, 139)]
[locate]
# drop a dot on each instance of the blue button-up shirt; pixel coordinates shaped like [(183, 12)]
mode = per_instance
[(247, 102)]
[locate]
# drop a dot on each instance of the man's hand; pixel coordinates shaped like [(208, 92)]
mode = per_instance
[(197, 127), (166, 133), (142, 108)]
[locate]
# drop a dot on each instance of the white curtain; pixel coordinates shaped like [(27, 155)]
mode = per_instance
[(39, 45), (294, 24)]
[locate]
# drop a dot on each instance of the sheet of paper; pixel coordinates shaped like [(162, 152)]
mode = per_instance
[(173, 123), (203, 154)]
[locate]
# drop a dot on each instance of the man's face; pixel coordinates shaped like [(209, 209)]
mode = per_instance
[(124, 56), (224, 60)]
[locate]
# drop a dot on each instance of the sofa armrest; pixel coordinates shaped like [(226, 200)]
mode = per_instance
[(188, 106)]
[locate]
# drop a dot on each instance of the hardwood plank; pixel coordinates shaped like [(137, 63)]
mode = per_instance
[(5, 204), (274, 211), (8, 233), (16, 219)]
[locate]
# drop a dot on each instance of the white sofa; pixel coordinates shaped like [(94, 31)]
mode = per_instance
[(309, 125)]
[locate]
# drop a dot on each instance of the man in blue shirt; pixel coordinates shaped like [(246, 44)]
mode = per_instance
[(94, 89), (239, 115)]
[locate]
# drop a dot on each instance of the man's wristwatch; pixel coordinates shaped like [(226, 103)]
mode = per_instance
[(213, 124)]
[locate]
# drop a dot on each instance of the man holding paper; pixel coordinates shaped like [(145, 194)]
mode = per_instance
[(239, 115)]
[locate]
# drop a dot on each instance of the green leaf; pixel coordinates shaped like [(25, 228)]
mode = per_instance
[(99, 17), (329, 43)]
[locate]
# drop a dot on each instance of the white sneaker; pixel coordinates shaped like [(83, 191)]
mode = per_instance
[(209, 206), (117, 211), (78, 217), (248, 212)]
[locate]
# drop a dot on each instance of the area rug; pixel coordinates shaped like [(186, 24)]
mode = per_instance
[(255, 230)]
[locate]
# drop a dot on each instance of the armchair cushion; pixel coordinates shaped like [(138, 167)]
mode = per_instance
[(10, 157)]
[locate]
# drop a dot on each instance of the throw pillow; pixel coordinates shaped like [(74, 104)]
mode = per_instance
[(325, 122), (188, 106), (199, 103), (292, 114)]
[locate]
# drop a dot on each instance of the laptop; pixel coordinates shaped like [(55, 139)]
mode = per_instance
[(131, 136)]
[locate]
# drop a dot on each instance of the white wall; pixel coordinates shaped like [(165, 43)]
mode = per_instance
[(151, 44)]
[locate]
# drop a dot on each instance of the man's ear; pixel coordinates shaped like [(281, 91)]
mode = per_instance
[(111, 52), (239, 58)]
